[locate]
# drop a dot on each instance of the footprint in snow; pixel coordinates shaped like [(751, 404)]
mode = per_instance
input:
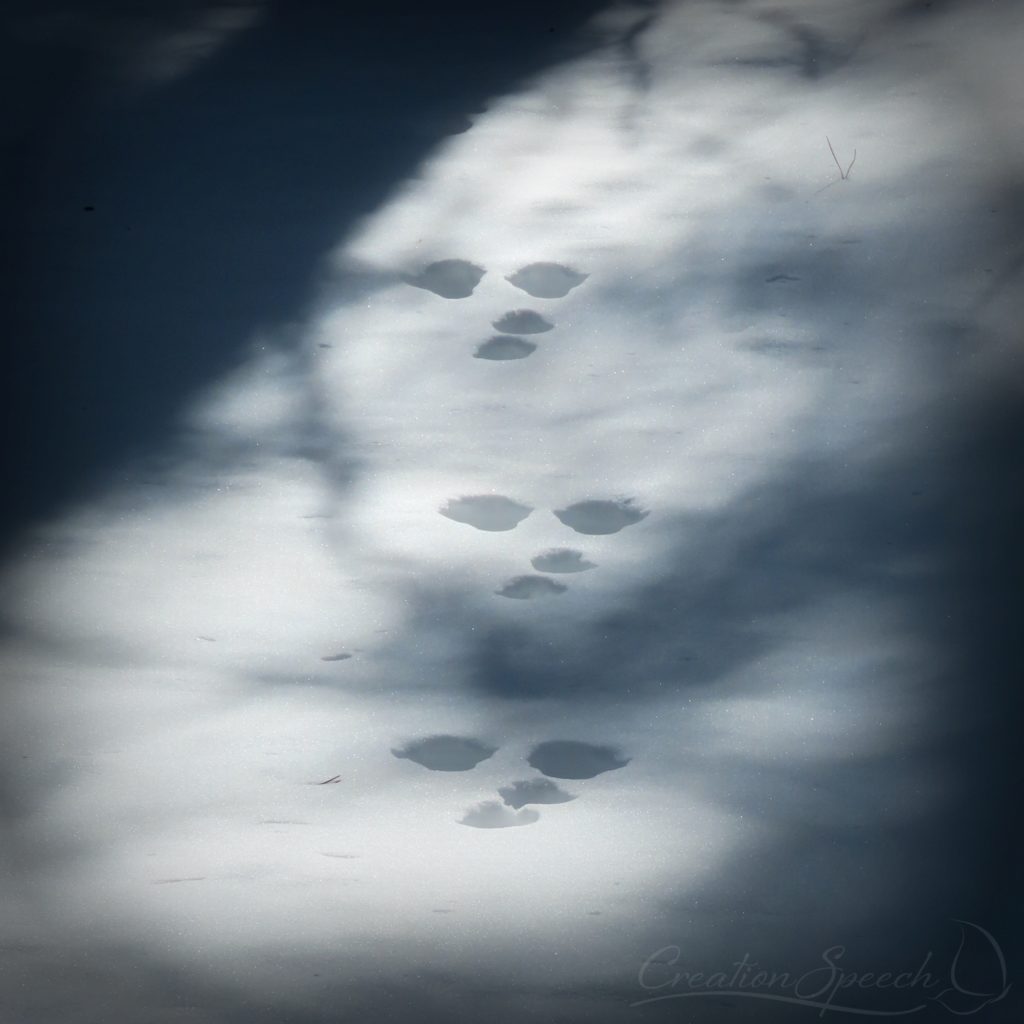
[(546, 280), (446, 753), (600, 517), (526, 588), (492, 512), (556, 759), (451, 279), (534, 791), (522, 321), (571, 759), (562, 560), (504, 347)]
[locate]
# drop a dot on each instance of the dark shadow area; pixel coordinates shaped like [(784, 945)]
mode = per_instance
[(150, 231), (928, 8)]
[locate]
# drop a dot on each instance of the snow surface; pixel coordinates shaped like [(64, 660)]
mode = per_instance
[(727, 316)]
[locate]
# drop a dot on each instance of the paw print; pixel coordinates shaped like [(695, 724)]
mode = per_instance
[(451, 279), (457, 279), (553, 759), (496, 512)]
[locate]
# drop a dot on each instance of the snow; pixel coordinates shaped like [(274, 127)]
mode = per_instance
[(716, 315)]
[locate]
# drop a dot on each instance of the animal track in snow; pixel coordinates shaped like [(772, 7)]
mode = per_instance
[(571, 759), (446, 753), (534, 791), (491, 814), (546, 280), (451, 279), (556, 759), (526, 588), (600, 517), (492, 512), (522, 321), (562, 560), (504, 347)]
